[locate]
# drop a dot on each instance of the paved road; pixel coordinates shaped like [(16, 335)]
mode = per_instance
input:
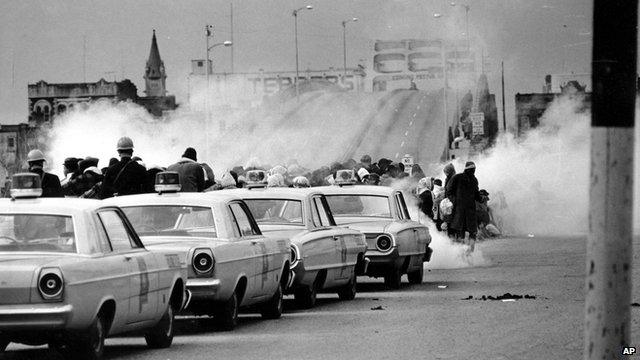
[(416, 322)]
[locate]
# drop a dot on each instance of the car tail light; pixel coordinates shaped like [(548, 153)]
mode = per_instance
[(51, 284), (203, 261), (384, 243)]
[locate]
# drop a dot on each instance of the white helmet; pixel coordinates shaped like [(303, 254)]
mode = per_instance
[(301, 182), (125, 143), (35, 155)]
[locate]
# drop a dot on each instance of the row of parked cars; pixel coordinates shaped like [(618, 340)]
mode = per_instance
[(75, 271)]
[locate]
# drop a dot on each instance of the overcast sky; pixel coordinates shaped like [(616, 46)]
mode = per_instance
[(43, 39)]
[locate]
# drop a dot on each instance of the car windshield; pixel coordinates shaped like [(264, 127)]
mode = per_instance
[(172, 220), (359, 205), (37, 232), (276, 211)]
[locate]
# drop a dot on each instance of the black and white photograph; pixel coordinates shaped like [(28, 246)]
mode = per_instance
[(319, 179)]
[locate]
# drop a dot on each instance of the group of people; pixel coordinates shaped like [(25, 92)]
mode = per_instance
[(454, 203), (457, 205)]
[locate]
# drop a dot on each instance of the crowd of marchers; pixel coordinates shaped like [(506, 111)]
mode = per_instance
[(455, 203)]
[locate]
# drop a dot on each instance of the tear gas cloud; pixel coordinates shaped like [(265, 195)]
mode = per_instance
[(314, 133)]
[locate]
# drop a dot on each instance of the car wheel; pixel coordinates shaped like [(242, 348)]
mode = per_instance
[(226, 318), (90, 344), (393, 278), (161, 335), (415, 277), (305, 296), (348, 292), (272, 309)]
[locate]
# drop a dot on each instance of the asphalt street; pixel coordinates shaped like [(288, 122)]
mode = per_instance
[(428, 321)]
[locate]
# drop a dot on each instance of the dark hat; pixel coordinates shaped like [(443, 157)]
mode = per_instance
[(190, 153), (86, 163), (136, 158), (113, 161), (365, 159), (469, 165), (71, 163), (483, 192)]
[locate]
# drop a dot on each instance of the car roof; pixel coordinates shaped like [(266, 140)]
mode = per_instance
[(67, 206), (182, 198), (273, 192), (356, 189)]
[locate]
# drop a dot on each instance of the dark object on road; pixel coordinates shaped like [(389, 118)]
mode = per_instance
[(635, 304), (506, 296), (379, 307)]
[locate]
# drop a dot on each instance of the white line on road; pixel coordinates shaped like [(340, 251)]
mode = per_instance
[(418, 107), (411, 123), (414, 115), (402, 145), (406, 133), (397, 154)]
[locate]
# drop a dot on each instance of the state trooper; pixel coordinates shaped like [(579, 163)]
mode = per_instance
[(50, 183), (125, 177)]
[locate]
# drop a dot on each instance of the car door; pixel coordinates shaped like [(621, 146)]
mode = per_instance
[(337, 240), (258, 265), (139, 263), (410, 247)]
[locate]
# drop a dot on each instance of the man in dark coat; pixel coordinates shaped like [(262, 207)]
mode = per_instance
[(50, 183), (125, 177), (463, 192), (191, 173)]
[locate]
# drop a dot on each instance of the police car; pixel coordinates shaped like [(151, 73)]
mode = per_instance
[(396, 245), (74, 272), (232, 264), (325, 256)]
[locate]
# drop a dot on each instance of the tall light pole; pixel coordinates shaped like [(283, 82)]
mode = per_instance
[(209, 34), (344, 44), (295, 27)]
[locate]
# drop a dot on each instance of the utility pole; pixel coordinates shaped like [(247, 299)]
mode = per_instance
[(84, 58), (609, 244), (504, 116), (344, 46), (208, 31), (232, 40)]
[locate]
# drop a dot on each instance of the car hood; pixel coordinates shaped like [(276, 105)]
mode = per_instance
[(365, 225)]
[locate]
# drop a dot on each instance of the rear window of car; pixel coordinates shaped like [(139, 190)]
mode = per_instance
[(276, 211), (37, 233), (359, 205), (172, 220)]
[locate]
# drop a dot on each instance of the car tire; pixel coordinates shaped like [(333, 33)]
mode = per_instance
[(348, 292), (393, 278), (306, 296), (90, 344), (226, 317), (161, 335), (272, 309), (415, 277)]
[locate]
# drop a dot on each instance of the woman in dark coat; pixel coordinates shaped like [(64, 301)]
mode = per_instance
[(463, 192)]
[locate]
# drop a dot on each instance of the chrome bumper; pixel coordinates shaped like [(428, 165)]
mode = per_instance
[(201, 288), (34, 317)]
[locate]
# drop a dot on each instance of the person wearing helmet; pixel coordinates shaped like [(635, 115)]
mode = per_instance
[(301, 182), (125, 177), (50, 183)]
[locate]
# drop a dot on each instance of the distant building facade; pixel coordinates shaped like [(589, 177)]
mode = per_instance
[(531, 107), (15, 143), (47, 100)]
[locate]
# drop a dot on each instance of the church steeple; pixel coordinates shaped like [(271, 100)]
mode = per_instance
[(154, 74)]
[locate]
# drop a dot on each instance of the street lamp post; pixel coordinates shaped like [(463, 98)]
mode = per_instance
[(344, 44), (295, 26), (209, 34)]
